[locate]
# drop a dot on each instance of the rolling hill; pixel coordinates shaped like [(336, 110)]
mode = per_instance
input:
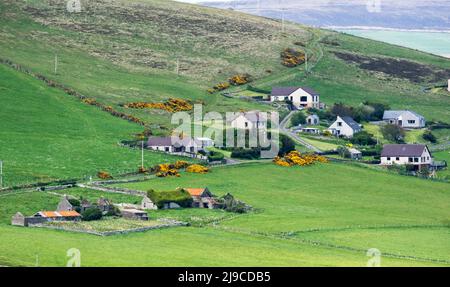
[(125, 51)]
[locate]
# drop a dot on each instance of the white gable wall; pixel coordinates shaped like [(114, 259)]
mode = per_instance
[(341, 128), (296, 97)]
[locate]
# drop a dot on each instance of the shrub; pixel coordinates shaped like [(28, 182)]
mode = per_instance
[(181, 164), (104, 175), (393, 133), (298, 119), (241, 153), (292, 58), (286, 145), (429, 136), (363, 138), (296, 158), (75, 202), (241, 79), (196, 168), (113, 211), (178, 196), (215, 156), (92, 213)]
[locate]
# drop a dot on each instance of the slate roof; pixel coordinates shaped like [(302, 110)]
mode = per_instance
[(252, 116), (396, 114), (351, 122), (286, 91), (159, 141), (403, 150)]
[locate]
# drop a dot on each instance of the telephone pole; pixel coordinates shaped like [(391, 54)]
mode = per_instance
[(142, 155), (1, 174)]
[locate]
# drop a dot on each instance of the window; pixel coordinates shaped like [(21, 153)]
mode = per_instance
[(303, 99), (246, 124), (388, 158), (339, 124), (416, 159), (397, 158), (410, 159), (167, 149), (411, 121)]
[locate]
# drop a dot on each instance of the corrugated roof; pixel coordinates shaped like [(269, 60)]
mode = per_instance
[(195, 191), (403, 150), (71, 213)]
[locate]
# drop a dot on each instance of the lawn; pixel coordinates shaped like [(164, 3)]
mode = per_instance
[(287, 202)]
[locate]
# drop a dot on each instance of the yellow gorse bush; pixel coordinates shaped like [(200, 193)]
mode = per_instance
[(196, 168), (296, 158)]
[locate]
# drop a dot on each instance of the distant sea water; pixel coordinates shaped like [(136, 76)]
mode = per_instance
[(437, 43)]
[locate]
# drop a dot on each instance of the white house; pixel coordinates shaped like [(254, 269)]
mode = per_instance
[(299, 96), (248, 120), (312, 120), (345, 126), (147, 203), (172, 144), (406, 154), (405, 119)]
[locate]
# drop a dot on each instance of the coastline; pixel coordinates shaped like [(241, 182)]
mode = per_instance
[(369, 28)]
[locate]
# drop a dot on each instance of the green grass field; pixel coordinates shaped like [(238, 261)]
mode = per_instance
[(47, 135), (349, 205)]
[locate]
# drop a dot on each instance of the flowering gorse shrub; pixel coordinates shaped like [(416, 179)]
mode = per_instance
[(196, 168), (104, 175), (296, 158), (171, 105)]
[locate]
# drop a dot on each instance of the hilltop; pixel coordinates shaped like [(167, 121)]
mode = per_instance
[(118, 52)]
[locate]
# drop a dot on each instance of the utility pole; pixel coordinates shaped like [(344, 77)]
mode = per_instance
[(282, 20), (56, 64), (1, 173), (142, 155)]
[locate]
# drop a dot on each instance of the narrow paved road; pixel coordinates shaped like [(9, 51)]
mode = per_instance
[(284, 130)]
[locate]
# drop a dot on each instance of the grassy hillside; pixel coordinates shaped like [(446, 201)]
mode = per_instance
[(126, 51), (323, 215), (47, 135)]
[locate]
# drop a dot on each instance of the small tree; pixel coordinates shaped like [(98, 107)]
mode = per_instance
[(286, 145), (92, 213), (363, 138), (429, 136), (393, 133), (298, 119)]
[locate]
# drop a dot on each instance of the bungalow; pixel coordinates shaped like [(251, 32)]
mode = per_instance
[(202, 197), (405, 119), (344, 126), (312, 120), (248, 120), (406, 154), (171, 145), (299, 96)]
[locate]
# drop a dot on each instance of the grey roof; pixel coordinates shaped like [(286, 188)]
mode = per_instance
[(396, 114), (159, 141), (286, 91), (402, 150), (252, 116), (351, 122)]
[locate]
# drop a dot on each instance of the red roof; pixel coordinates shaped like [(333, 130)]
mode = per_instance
[(195, 191)]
